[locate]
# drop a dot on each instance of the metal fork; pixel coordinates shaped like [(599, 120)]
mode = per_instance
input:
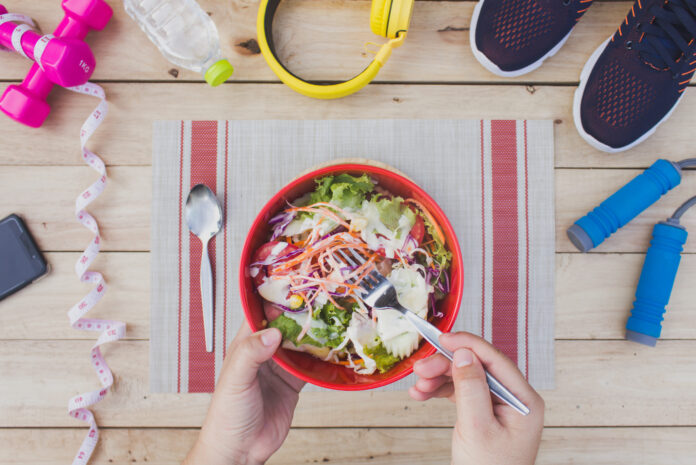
[(382, 294)]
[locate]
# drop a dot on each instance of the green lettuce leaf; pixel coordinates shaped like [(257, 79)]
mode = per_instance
[(336, 320), (333, 316), (384, 360), (343, 190), (436, 248), (333, 339), (391, 210), (290, 330), (322, 193)]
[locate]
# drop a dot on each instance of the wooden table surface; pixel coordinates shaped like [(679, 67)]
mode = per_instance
[(615, 402)]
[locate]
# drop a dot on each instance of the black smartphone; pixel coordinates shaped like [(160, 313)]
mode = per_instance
[(21, 262)]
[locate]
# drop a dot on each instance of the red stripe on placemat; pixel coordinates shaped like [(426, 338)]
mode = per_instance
[(181, 203), (203, 171), (505, 236)]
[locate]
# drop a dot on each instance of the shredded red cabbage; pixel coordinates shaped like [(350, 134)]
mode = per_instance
[(288, 309), (281, 221), (447, 283), (409, 239), (273, 259)]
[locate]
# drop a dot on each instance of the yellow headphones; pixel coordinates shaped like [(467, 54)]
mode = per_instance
[(389, 18)]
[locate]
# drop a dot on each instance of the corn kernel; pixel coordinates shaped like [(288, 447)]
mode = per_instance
[(295, 301)]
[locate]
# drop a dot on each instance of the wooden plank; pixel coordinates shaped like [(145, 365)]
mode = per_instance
[(125, 136), (40, 310), (378, 446), (323, 40), (48, 205), (579, 191), (599, 383), (594, 294), (123, 211)]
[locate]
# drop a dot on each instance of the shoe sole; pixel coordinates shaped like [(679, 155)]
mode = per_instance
[(577, 99), (492, 67)]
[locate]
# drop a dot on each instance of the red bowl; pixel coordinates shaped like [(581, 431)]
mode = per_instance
[(305, 366)]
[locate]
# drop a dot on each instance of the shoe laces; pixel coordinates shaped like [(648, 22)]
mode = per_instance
[(669, 35)]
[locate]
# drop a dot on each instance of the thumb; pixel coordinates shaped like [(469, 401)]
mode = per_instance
[(474, 403), (249, 355)]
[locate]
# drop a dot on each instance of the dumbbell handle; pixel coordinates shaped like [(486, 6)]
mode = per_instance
[(28, 42), (624, 205), (656, 282)]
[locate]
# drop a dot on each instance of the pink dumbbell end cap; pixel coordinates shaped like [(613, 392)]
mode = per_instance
[(94, 13), (20, 105), (68, 62)]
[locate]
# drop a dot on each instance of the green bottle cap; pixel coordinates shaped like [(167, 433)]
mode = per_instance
[(219, 73)]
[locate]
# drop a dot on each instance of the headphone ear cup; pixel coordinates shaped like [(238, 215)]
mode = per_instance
[(399, 17), (379, 16)]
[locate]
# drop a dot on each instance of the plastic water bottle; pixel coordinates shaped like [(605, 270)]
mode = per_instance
[(185, 35)]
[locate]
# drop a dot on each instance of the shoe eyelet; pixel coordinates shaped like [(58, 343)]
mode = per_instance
[(629, 44), (675, 76), (566, 2), (638, 26)]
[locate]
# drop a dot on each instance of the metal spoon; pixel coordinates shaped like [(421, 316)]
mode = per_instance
[(204, 219)]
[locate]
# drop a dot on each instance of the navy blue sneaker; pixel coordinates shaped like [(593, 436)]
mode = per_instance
[(513, 37), (634, 80)]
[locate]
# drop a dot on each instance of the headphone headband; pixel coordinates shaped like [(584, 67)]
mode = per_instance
[(264, 26)]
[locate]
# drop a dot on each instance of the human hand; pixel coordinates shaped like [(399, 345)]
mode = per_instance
[(252, 407), (488, 431)]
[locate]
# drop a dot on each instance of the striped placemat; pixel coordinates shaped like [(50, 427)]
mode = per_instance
[(493, 179)]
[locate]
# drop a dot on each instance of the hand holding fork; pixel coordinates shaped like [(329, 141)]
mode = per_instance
[(380, 293)]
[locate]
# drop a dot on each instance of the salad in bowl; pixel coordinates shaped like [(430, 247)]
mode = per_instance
[(312, 295)]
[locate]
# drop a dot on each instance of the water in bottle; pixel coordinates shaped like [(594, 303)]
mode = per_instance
[(185, 35)]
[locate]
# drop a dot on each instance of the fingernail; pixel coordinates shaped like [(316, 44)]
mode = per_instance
[(463, 358), (268, 338)]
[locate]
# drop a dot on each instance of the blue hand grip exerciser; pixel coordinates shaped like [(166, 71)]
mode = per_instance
[(624, 205), (656, 281)]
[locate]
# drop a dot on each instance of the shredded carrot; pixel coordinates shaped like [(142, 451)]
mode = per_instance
[(317, 249), (364, 273), (331, 299), (347, 363), (322, 281), (362, 270), (400, 257)]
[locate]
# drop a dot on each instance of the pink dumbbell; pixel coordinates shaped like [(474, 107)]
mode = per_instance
[(64, 60)]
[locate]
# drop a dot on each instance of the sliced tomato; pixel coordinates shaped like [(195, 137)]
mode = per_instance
[(263, 252), (418, 229)]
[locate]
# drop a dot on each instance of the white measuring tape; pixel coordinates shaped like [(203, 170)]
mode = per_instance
[(26, 24), (110, 330), (15, 18)]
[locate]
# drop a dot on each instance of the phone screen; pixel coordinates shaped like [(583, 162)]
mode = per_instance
[(20, 260)]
